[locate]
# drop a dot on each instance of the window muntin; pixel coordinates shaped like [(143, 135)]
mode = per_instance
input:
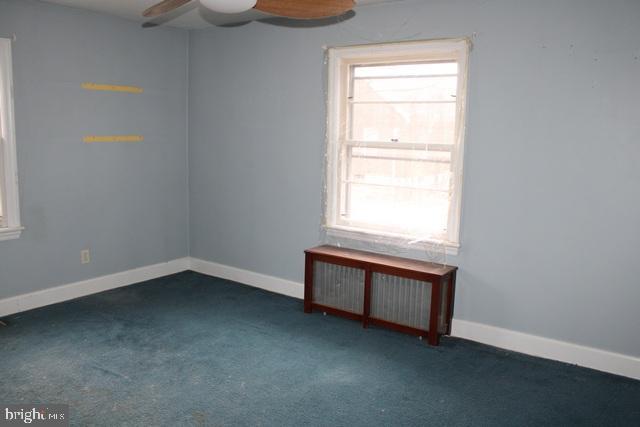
[(396, 120)]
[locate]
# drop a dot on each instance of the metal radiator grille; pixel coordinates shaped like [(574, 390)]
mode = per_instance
[(339, 287), (399, 300)]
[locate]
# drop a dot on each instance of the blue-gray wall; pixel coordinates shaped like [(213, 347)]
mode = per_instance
[(126, 202), (550, 205), (551, 208)]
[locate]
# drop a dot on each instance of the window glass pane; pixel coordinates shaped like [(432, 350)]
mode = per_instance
[(408, 211), (406, 89), (424, 69), (401, 173), (417, 154), (427, 123)]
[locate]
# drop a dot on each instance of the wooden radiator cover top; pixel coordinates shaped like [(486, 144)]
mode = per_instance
[(383, 260)]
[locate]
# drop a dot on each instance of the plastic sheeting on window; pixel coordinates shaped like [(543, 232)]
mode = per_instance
[(395, 133)]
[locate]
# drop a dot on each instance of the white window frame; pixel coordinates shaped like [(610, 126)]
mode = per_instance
[(10, 226), (340, 60)]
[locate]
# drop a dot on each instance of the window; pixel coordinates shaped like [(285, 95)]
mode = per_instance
[(395, 141), (9, 209)]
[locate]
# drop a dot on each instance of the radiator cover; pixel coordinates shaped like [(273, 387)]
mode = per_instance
[(406, 295), (394, 299)]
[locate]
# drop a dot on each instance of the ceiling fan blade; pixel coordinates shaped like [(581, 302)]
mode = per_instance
[(164, 7), (305, 9)]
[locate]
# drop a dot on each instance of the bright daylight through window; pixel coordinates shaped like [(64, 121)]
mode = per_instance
[(395, 141)]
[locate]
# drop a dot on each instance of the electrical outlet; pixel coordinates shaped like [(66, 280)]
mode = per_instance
[(85, 256)]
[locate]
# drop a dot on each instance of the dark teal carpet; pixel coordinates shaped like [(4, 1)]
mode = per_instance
[(194, 350)]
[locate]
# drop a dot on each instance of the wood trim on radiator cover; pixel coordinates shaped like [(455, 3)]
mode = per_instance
[(436, 274)]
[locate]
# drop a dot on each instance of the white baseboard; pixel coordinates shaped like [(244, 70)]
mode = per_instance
[(547, 348), (90, 286), (616, 363), (257, 280)]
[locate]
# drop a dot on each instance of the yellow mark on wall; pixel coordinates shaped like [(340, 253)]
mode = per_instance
[(112, 88), (113, 138)]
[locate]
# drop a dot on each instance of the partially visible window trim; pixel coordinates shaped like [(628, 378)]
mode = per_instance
[(11, 227), (10, 233), (341, 57)]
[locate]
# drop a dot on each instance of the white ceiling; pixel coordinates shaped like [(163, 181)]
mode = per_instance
[(190, 16)]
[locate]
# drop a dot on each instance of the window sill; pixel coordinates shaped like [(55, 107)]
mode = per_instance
[(10, 233), (390, 239)]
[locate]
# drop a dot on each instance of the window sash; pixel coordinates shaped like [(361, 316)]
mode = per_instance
[(347, 182)]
